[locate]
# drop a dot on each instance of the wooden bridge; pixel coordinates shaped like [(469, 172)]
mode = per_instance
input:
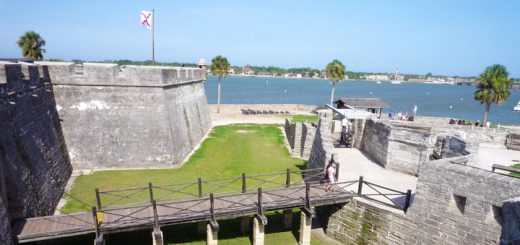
[(154, 206)]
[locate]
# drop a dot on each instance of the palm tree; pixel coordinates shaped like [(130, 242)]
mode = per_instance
[(219, 67), (335, 72), (493, 87), (31, 44)]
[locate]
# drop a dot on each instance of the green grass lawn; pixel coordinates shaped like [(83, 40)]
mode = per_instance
[(305, 118), (516, 166), (229, 151)]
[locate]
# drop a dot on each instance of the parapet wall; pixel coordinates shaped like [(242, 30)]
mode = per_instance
[(398, 147), (34, 162), (454, 204), (134, 116), (322, 147), (98, 74)]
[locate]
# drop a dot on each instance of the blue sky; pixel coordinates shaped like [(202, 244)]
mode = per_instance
[(442, 36)]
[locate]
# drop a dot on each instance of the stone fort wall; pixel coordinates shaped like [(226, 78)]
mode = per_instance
[(131, 116), (454, 204), (34, 163)]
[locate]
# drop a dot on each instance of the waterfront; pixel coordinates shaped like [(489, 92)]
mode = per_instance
[(431, 99)]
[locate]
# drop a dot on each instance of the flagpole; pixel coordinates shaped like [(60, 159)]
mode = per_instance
[(153, 37)]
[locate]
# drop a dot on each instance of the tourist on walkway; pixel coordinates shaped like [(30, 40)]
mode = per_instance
[(331, 175)]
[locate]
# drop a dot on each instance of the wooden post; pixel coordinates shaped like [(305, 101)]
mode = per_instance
[(99, 237), (157, 235), (155, 216), (98, 199), (200, 187), (307, 196), (244, 183), (360, 185), (212, 206), (260, 208), (151, 192), (407, 201), (288, 178)]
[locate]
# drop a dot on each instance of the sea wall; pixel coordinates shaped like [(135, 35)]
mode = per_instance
[(34, 161), (454, 204), (131, 116), (398, 147)]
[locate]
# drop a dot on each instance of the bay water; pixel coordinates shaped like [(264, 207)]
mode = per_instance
[(443, 100)]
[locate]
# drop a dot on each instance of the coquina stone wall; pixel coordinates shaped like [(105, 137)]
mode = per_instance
[(398, 147), (454, 204), (300, 137), (34, 162), (308, 134), (322, 147), (5, 227), (460, 204), (361, 222), (129, 116), (289, 128)]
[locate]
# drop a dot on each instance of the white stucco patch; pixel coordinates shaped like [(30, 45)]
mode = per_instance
[(92, 105)]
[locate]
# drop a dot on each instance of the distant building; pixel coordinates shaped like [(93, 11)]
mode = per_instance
[(377, 77), (373, 105), (247, 70), (231, 71)]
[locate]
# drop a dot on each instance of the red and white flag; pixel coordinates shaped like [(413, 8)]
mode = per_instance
[(147, 19)]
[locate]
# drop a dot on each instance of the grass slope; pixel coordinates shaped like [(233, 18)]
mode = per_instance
[(229, 151)]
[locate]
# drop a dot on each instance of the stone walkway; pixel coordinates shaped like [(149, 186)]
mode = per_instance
[(489, 154), (353, 163)]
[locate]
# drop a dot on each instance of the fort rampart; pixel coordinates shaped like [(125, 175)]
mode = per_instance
[(133, 116), (34, 163)]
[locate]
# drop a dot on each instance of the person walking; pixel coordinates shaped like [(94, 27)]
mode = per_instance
[(344, 125), (331, 176)]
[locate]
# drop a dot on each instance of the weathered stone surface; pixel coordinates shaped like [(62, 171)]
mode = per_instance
[(322, 147), (5, 227), (398, 147), (359, 222), (440, 213), (454, 204), (34, 161), (308, 134), (129, 117), (510, 221)]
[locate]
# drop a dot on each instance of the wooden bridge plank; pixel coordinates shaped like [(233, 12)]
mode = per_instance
[(176, 212)]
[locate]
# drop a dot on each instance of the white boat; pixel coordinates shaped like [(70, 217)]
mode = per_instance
[(378, 82), (517, 107), (395, 82)]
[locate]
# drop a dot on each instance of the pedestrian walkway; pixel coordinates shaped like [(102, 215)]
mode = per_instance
[(354, 163)]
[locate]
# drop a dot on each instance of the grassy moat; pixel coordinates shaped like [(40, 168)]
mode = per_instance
[(227, 152)]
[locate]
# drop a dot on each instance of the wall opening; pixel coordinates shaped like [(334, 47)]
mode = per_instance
[(458, 203), (495, 214)]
